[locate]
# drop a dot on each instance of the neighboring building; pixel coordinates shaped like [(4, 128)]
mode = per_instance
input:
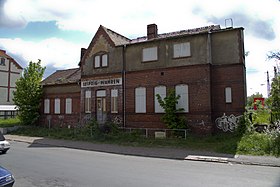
[(61, 93), (121, 77), (10, 71)]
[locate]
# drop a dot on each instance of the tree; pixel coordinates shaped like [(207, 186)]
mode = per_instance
[(276, 56), (170, 117), (275, 87), (275, 95), (28, 94)]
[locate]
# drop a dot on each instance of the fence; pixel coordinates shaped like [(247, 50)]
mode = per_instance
[(8, 114)]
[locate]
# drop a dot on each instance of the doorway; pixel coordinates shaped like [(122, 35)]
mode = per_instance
[(101, 113)]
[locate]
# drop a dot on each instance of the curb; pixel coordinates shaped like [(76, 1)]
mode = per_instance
[(207, 159)]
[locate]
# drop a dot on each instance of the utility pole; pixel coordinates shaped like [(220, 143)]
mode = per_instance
[(268, 85)]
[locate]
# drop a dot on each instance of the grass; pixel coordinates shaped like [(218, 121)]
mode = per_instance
[(248, 144), (9, 122), (223, 143)]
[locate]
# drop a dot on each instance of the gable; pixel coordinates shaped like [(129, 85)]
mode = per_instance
[(101, 39)]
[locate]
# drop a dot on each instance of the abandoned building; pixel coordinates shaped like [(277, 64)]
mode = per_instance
[(118, 79)]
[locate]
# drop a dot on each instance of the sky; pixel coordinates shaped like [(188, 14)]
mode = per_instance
[(54, 31)]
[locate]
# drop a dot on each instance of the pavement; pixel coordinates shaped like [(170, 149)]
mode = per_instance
[(159, 152)]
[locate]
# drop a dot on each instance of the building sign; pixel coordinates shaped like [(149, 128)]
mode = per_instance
[(102, 82)]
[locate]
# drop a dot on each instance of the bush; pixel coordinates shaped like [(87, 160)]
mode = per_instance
[(255, 144), (9, 122), (245, 124)]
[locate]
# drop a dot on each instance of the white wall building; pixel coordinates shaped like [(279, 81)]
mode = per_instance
[(10, 71)]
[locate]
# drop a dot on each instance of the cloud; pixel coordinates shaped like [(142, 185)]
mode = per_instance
[(56, 52), (255, 26), (261, 20), (10, 21)]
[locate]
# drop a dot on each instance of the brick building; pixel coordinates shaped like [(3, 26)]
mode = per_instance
[(61, 104), (120, 77), (10, 71)]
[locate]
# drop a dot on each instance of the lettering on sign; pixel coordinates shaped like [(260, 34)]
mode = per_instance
[(101, 82)]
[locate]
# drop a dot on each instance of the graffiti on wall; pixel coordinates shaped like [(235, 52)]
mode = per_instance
[(227, 123)]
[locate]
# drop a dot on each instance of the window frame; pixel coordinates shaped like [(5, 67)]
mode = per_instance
[(157, 107), (68, 105), (57, 106), (183, 99), (228, 95), (46, 106), (147, 52), (87, 104), (114, 101), (101, 60), (140, 100), (181, 54), (3, 61)]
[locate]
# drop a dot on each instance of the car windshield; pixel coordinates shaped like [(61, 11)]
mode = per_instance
[(2, 138)]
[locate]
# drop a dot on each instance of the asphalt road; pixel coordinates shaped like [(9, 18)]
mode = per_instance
[(43, 166)]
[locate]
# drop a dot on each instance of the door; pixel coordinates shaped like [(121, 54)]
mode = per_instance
[(101, 110)]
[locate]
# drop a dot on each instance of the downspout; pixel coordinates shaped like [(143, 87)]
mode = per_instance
[(209, 61), (124, 85)]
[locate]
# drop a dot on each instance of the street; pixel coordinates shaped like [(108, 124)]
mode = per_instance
[(44, 166)]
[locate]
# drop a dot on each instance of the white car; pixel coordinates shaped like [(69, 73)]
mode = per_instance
[(4, 144)]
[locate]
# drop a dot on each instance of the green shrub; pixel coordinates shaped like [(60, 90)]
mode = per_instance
[(9, 122), (254, 144)]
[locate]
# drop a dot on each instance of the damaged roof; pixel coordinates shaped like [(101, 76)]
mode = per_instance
[(117, 38), (63, 77)]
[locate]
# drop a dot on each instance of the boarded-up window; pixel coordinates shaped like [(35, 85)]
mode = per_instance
[(228, 94), (183, 102), (150, 54), (97, 61), (114, 101), (161, 90), (57, 106), (181, 50), (104, 60), (68, 106), (140, 100), (88, 101), (101, 93), (46, 106)]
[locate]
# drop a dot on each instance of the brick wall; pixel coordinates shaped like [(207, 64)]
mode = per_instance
[(61, 119), (197, 77), (228, 76)]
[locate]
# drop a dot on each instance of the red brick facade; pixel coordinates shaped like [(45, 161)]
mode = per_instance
[(212, 68)]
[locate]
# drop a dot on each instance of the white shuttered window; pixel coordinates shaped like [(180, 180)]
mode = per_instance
[(183, 102), (161, 90), (88, 101), (140, 100), (150, 54), (114, 101), (182, 50), (57, 106), (104, 60), (68, 106), (46, 106), (97, 61), (228, 94)]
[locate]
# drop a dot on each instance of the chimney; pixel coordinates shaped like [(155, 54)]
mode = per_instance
[(83, 51), (152, 31)]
